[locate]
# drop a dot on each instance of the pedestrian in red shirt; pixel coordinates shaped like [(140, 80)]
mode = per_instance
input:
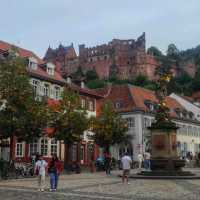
[(59, 169)]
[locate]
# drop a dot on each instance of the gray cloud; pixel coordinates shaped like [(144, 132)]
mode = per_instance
[(36, 24)]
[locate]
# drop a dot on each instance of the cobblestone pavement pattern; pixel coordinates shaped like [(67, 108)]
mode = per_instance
[(98, 186)]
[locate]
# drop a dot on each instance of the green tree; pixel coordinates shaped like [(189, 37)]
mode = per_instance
[(96, 84), (151, 86), (69, 120), (91, 75), (78, 74), (154, 51), (20, 114), (196, 81), (141, 80), (172, 50), (109, 128)]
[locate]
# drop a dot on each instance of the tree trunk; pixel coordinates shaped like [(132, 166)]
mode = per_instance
[(12, 148), (67, 156)]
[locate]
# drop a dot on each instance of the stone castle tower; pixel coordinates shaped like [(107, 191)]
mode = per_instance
[(124, 59)]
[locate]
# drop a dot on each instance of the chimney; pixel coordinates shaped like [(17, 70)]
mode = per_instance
[(82, 84)]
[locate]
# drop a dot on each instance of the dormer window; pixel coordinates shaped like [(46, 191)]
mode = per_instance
[(191, 115), (33, 63), (50, 69), (179, 113), (184, 113), (118, 104), (149, 105)]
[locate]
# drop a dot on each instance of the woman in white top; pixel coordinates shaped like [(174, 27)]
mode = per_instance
[(140, 160), (40, 171)]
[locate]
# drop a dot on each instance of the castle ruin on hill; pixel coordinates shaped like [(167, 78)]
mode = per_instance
[(123, 59)]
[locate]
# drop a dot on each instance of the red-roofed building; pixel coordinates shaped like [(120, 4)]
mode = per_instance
[(137, 105), (47, 81)]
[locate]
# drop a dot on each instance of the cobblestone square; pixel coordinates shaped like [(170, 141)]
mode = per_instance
[(99, 186)]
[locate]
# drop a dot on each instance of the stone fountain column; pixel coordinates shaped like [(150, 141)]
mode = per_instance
[(164, 156)]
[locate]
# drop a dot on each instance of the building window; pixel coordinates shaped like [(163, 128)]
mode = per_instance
[(33, 147), (19, 149), (147, 122), (196, 148), (57, 93), (184, 129), (46, 90), (91, 106), (54, 147), (191, 115), (50, 71), (35, 84), (190, 132), (32, 64), (131, 122), (44, 147), (149, 105), (83, 103)]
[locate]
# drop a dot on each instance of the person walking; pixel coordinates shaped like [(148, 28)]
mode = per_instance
[(126, 166), (52, 174), (140, 160), (40, 171), (92, 164), (108, 160), (59, 168), (147, 157)]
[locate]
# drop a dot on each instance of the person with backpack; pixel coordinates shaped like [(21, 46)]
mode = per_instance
[(40, 171)]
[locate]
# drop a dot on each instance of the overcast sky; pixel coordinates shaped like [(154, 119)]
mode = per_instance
[(36, 24)]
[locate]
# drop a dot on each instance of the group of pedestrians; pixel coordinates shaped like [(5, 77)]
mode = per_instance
[(53, 168)]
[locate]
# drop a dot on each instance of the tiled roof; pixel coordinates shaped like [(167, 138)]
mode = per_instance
[(133, 98), (4, 46), (190, 99), (42, 74), (139, 96), (85, 91), (104, 91), (39, 72)]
